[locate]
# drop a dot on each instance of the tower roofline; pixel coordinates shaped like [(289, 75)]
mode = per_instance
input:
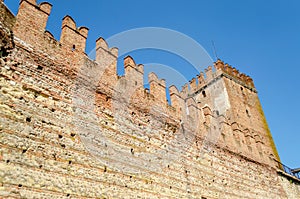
[(221, 70)]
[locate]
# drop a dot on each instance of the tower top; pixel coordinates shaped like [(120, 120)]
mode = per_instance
[(234, 74)]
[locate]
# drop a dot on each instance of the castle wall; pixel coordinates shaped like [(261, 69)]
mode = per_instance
[(291, 188), (160, 149), (7, 21)]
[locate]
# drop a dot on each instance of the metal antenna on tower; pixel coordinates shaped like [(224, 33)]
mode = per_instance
[(214, 48)]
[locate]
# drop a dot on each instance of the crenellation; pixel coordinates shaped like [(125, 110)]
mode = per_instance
[(140, 68), (7, 22), (48, 34), (134, 73), (102, 49), (152, 77), (162, 82), (83, 31), (68, 21), (129, 64), (7, 18), (44, 156), (185, 90), (45, 7), (209, 73), (201, 79), (228, 69), (233, 72), (106, 59), (249, 81), (219, 64), (158, 89), (176, 100), (193, 85), (243, 77), (31, 20), (72, 37)]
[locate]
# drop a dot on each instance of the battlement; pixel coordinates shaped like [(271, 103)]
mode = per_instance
[(129, 65), (73, 37), (7, 19), (106, 57), (30, 26), (31, 22), (31, 18), (210, 74), (158, 88), (232, 72), (73, 128), (200, 81)]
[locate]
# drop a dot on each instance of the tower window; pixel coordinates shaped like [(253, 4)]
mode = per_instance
[(73, 47), (247, 112), (203, 94)]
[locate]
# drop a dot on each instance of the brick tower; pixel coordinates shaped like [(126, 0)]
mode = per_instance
[(232, 105)]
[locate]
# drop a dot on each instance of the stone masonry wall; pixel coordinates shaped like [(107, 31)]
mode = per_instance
[(142, 148)]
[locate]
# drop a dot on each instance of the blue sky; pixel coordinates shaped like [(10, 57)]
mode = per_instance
[(260, 38)]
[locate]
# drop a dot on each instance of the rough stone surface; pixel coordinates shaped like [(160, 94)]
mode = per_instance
[(226, 149)]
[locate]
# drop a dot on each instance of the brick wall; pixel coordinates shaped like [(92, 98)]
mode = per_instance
[(141, 147)]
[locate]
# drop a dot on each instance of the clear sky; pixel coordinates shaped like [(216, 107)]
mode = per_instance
[(260, 38)]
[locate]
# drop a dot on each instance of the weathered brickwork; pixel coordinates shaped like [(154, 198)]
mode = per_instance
[(43, 149)]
